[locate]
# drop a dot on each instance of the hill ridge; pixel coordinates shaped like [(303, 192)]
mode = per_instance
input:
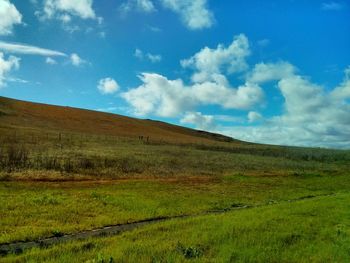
[(31, 115)]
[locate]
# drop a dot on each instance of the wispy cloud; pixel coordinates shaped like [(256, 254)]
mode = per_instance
[(332, 6), (145, 6), (28, 50), (18, 80), (50, 61), (154, 58), (195, 14)]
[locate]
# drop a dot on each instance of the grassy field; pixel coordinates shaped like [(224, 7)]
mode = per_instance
[(314, 230), (33, 210), (65, 170)]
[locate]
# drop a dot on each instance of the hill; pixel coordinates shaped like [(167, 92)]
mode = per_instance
[(38, 140), (16, 114)]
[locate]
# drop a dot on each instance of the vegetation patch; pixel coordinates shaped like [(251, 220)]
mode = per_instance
[(190, 252)]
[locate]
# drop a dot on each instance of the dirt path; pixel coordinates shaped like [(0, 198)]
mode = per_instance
[(19, 247)]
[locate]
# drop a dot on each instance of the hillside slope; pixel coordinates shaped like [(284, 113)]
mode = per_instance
[(28, 115)]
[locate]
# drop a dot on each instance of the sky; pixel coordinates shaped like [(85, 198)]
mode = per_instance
[(275, 72)]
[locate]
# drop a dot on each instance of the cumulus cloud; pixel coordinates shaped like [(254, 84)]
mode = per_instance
[(213, 123), (76, 60), (193, 13), (203, 122), (108, 86), (342, 92), (312, 116), (169, 98), (161, 96), (271, 71), (6, 66), (66, 8), (28, 49), (158, 95), (154, 58), (208, 62), (65, 11), (10, 16)]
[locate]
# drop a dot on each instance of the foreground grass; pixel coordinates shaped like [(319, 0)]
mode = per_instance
[(32, 210), (312, 230)]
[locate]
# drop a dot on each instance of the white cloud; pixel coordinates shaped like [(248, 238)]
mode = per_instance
[(151, 57), (10, 16), (215, 93), (343, 91), (194, 13), (154, 58), (254, 116), (50, 61), (67, 11), (18, 80), (108, 86), (211, 62), (272, 71), (145, 6), (169, 98), (312, 116), (108, 109), (65, 18), (212, 123), (158, 95), (332, 6), (28, 50), (203, 122), (59, 8), (76, 60), (6, 66)]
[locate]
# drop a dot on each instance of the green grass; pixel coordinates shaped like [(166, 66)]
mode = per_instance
[(32, 210), (312, 230)]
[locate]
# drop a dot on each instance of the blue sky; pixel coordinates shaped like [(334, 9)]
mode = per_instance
[(264, 71)]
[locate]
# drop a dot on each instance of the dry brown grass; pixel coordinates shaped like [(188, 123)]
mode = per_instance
[(28, 115)]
